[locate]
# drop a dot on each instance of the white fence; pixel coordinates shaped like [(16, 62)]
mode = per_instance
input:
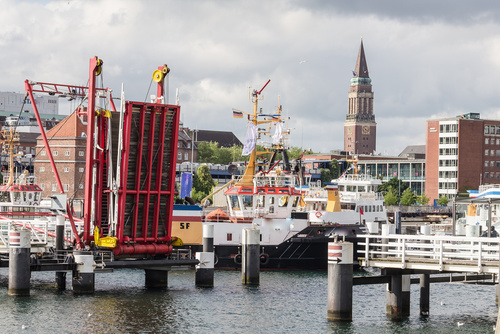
[(440, 253)]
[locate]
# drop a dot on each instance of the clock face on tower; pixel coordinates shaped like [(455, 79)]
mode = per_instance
[(366, 130), (349, 131)]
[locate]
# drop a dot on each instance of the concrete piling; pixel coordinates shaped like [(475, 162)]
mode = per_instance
[(156, 279), (84, 277), (205, 269), (340, 281), (60, 275), (398, 297), (250, 261), (424, 294), (19, 262)]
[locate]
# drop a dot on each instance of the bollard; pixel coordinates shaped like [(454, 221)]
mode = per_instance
[(60, 275), (19, 262), (250, 259), (84, 276), (156, 279), (205, 270), (340, 281)]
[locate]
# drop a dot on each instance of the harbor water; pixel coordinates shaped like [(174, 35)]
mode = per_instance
[(285, 302)]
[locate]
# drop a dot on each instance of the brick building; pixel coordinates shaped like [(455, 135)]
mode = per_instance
[(360, 129), (68, 142), (461, 153)]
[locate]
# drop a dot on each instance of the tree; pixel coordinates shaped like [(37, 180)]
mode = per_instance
[(390, 197), (295, 152), (206, 151), (398, 186), (202, 183), (443, 200), (408, 197), (423, 199)]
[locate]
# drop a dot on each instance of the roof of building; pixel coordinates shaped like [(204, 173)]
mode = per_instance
[(224, 138), (413, 150), (70, 127), (361, 69)]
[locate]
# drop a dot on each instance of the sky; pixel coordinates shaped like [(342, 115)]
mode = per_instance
[(427, 59)]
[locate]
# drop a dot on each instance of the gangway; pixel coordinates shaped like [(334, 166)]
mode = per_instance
[(441, 253)]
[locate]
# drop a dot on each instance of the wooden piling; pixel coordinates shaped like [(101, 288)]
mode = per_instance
[(19, 262), (250, 260), (340, 281)]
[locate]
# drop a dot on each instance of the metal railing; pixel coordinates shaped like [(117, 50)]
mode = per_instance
[(442, 253)]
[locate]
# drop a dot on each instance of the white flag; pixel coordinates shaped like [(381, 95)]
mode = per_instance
[(250, 139), (277, 133)]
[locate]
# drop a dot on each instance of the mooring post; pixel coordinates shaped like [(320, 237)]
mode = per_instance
[(340, 281), (60, 275), (84, 276), (250, 256), (19, 262), (398, 300), (205, 269)]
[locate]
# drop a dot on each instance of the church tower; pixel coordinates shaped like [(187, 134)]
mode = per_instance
[(360, 127)]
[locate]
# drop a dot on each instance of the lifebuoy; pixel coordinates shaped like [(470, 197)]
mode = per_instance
[(318, 214), (264, 258), (237, 259)]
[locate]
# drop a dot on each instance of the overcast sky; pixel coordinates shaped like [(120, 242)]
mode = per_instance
[(426, 58)]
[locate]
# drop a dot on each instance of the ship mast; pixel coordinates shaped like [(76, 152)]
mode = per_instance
[(247, 178)]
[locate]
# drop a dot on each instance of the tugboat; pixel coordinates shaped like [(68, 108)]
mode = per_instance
[(270, 197)]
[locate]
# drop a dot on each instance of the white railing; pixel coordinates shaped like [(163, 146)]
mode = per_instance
[(442, 253)]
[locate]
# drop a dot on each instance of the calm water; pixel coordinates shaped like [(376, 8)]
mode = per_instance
[(284, 302)]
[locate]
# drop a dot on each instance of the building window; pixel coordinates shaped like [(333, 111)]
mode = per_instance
[(486, 175), (42, 152), (188, 145), (66, 169), (179, 156), (486, 129), (66, 153), (54, 187), (80, 153), (486, 141), (486, 152), (80, 186), (81, 169), (186, 156), (66, 187), (229, 237), (54, 153), (42, 186), (492, 130), (42, 169), (492, 163), (486, 164), (492, 153)]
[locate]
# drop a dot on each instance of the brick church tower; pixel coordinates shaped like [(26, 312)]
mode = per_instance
[(360, 127)]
